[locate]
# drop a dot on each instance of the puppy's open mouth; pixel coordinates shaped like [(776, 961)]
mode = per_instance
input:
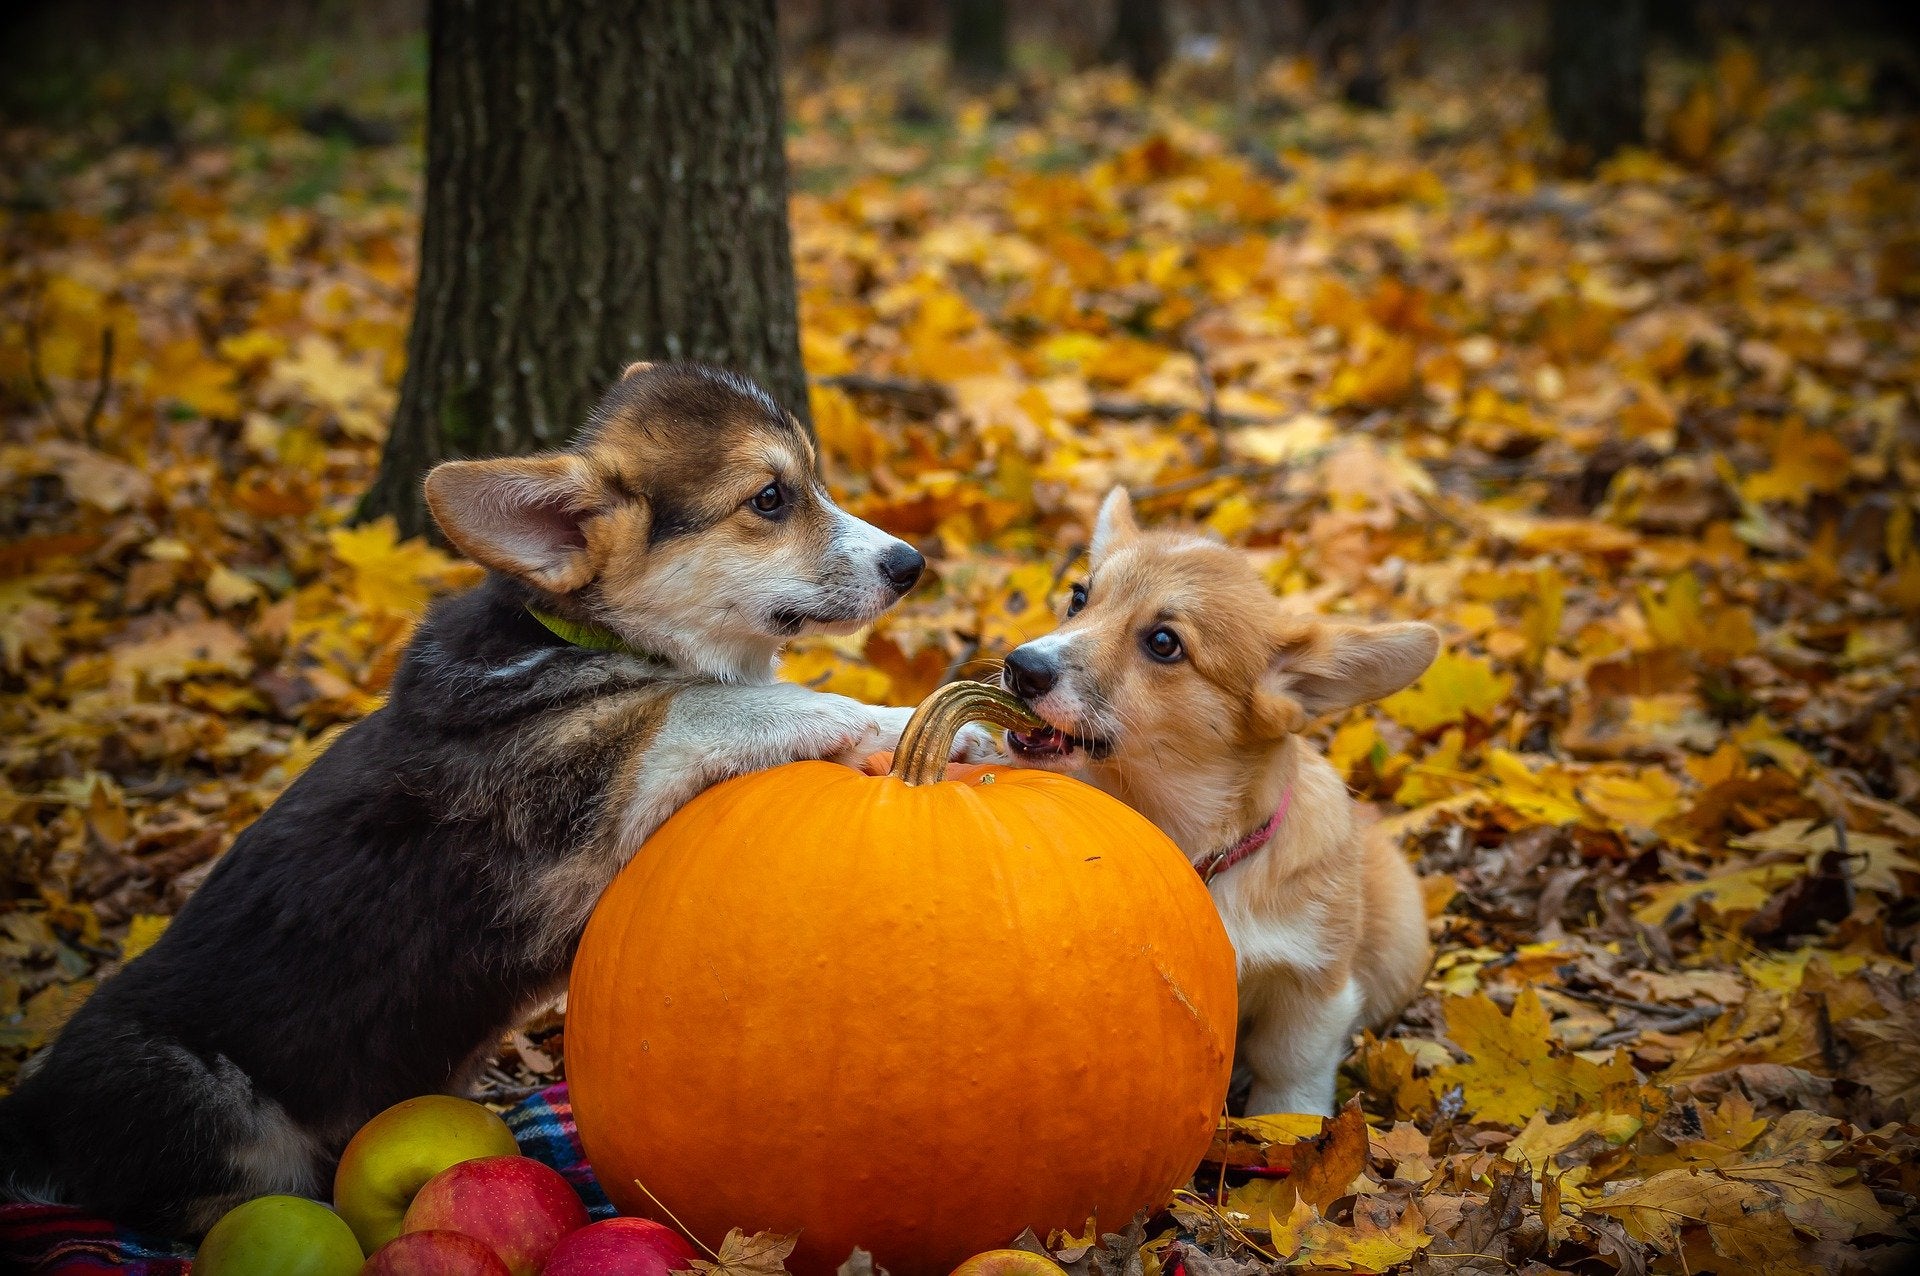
[(1051, 742)]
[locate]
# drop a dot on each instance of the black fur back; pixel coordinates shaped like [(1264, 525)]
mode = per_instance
[(356, 945)]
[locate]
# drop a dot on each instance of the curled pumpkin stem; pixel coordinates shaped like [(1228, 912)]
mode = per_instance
[(921, 757)]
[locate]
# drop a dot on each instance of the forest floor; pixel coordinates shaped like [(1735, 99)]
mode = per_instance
[(1645, 447)]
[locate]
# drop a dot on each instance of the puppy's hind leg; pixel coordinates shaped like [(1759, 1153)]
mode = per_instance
[(1294, 1046), (138, 1128)]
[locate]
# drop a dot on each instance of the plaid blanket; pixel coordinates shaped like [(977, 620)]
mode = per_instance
[(41, 1240)]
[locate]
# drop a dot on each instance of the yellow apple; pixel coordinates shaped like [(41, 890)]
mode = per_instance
[(1008, 1262), (394, 1154)]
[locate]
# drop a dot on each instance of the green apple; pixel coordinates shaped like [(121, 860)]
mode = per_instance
[(279, 1236), (394, 1154)]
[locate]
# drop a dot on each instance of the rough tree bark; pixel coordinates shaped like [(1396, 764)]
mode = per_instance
[(1140, 39), (605, 182), (977, 39), (1597, 76)]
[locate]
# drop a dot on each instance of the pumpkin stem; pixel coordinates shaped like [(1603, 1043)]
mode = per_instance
[(921, 755)]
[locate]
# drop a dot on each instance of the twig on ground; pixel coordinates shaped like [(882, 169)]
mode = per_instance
[(92, 417), (925, 398), (36, 373), (1067, 561), (1211, 390), (1201, 479), (1691, 1018), (1644, 1007)]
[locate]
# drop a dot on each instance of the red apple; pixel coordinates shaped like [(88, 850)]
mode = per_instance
[(1008, 1262), (402, 1148), (279, 1236), (621, 1247), (519, 1207), (434, 1254)]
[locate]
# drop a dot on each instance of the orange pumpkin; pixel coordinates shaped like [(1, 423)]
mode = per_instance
[(903, 1012)]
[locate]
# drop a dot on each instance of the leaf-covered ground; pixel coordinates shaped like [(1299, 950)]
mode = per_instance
[(1645, 447)]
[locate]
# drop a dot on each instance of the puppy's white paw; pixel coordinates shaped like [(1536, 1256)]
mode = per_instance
[(975, 744), (863, 730), (892, 721)]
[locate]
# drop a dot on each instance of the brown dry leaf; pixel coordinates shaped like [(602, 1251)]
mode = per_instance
[(1324, 1167), (1744, 1222), (761, 1254)]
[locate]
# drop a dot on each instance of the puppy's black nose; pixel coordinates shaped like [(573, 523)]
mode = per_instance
[(901, 565), (1029, 673)]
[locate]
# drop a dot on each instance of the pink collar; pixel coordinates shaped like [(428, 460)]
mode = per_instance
[(1220, 861)]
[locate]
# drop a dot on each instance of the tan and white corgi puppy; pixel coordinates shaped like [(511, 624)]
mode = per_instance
[(423, 884), (1179, 684)]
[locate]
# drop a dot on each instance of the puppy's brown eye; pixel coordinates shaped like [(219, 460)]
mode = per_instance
[(1163, 645), (1076, 600), (769, 500)]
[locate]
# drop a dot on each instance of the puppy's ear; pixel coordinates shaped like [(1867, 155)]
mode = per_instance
[(1115, 526), (522, 515), (634, 369), (1318, 668)]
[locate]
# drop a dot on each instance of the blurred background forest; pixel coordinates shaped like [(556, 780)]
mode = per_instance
[(1622, 397)]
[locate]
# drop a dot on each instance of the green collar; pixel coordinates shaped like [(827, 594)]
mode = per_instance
[(592, 637)]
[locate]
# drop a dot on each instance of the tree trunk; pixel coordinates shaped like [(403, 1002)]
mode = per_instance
[(977, 39), (1140, 38), (1597, 76), (605, 182)]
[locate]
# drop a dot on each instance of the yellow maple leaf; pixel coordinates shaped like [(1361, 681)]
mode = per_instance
[(844, 434), (1512, 1071), (351, 390), (1438, 775), (1638, 801), (820, 666), (1691, 127), (1232, 517), (1019, 610), (392, 577), (1805, 463), (1740, 889), (1679, 617), (1353, 744), (1547, 795), (1542, 1140), (1457, 685), (197, 649), (1306, 1239), (1546, 607), (45, 1013), (227, 588), (1873, 858), (142, 933), (186, 374)]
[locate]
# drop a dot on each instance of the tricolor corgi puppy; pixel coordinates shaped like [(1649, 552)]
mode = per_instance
[(1179, 684), (424, 883)]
